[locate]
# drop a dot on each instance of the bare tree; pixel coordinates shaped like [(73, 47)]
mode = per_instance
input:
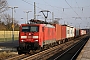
[(7, 19), (3, 5)]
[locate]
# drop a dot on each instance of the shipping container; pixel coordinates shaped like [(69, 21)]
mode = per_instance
[(70, 35), (49, 34), (77, 32), (68, 31), (63, 31), (58, 31), (72, 30), (87, 31), (82, 32)]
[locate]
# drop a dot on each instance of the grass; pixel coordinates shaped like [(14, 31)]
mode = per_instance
[(4, 55)]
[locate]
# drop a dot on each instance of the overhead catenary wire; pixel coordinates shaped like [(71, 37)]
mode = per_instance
[(72, 8), (65, 8), (82, 9), (48, 5), (53, 6), (31, 4), (57, 8)]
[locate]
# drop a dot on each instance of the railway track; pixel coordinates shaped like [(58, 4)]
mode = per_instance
[(22, 56), (18, 57), (72, 52), (48, 53), (43, 55)]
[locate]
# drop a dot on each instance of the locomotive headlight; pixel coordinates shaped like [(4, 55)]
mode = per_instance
[(23, 36), (35, 36), (22, 40), (36, 40)]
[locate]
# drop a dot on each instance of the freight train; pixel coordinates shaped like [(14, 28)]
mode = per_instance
[(39, 34)]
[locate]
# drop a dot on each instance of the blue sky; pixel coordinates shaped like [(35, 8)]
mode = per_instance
[(73, 9)]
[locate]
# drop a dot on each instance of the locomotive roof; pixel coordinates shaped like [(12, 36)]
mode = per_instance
[(48, 25), (38, 21), (44, 25), (68, 26)]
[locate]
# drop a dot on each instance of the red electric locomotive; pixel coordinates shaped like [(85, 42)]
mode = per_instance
[(35, 36)]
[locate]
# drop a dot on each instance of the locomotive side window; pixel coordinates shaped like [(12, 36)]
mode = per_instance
[(30, 29)]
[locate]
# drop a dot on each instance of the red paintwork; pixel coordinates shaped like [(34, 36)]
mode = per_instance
[(49, 33), (58, 31), (82, 32), (63, 32), (77, 32), (45, 33)]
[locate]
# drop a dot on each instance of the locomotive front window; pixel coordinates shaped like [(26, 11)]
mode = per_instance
[(30, 29), (34, 29), (25, 29)]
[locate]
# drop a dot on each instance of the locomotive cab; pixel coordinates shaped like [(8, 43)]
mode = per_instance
[(29, 37)]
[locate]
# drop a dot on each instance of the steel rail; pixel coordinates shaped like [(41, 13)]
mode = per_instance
[(70, 49), (79, 50), (48, 53), (17, 57)]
